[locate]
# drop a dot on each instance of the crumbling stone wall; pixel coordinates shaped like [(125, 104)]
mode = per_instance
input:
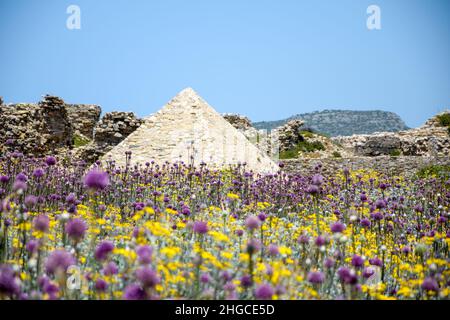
[(84, 118), (109, 132), (405, 165), (431, 139), (35, 129)]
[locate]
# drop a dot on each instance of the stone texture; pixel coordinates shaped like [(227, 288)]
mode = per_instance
[(188, 129), (112, 129), (404, 165), (83, 118), (238, 121), (115, 126), (35, 129), (289, 134), (427, 140)]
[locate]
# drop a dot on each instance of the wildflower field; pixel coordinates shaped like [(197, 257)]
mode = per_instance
[(175, 231)]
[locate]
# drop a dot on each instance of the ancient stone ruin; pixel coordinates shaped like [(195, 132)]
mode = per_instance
[(431, 139), (55, 127), (112, 129), (35, 129), (188, 129)]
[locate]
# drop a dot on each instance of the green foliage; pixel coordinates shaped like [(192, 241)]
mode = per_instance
[(444, 119), (336, 154), (79, 141), (307, 134), (434, 171), (395, 153), (303, 146)]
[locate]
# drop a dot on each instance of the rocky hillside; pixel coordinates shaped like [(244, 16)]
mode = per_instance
[(296, 140), (343, 122)]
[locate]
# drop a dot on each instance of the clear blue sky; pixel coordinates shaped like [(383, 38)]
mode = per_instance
[(265, 59)]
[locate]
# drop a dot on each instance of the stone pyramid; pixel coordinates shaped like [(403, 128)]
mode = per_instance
[(188, 129)]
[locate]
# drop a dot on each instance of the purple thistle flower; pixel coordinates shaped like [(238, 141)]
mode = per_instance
[(58, 261), (343, 273), (9, 283), (252, 222), (320, 241), (134, 292), (41, 223), (144, 254), (19, 186), (38, 173), (229, 286), (4, 179), (204, 278), (380, 204), (264, 292), (101, 285), (273, 249), (376, 262), (50, 161), (96, 180), (313, 189), (317, 180), (147, 277), (30, 201), (75, 229), (246, 281), (253, 245), (200, 227), (337, 227), (376, 216), (22, 177), (316, 277), (71, 198), (430, 284), (110, 269), (103, 250), (365, 223), (368, 272), (303, 239), (357, 261), (32, 246), (329, 263), (262, 216)]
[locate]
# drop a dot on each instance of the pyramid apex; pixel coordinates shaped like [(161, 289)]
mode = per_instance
[(188, 92)]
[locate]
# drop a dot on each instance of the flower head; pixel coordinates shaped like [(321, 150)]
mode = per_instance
[(59, 261), (316, 277), (96, 180), (264, 292), (76, 229), (200, 227), (103, 250), (41, 223)]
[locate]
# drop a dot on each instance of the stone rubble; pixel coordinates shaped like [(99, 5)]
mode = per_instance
[(35, 129), (83, 118), (112, 129), (431, 139)]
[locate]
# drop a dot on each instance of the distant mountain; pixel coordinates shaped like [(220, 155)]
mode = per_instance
[(343, 122)]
